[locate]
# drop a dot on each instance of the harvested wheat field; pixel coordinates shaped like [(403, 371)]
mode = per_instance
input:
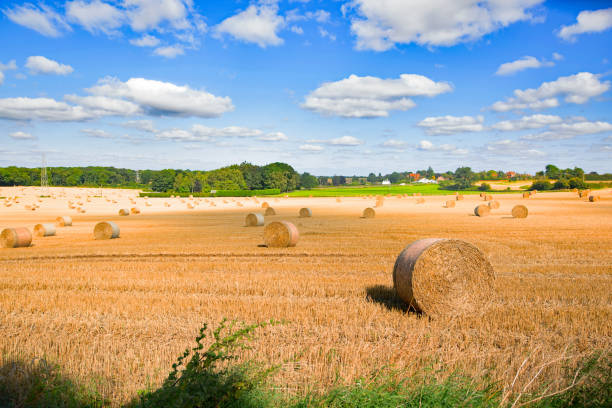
[(120, 311)]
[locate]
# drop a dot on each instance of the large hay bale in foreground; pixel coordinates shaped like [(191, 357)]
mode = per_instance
[(482, 210), (124, 212), (519, 211), (44, 230), (269, 211), (593, 198), (441, 277), (63, 221), (254, 220), (281, 234), (494, 205), (450, 204), (15, 238), (369, 213), (305, 212), (106, 230)]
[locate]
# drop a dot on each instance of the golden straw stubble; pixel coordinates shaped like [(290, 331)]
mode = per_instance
[(519, 211), (15, 238), (281, 234), (441, 277), (106, 230)]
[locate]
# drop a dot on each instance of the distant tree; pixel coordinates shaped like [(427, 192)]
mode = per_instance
[(552, 171), (372, 178), (308, 181), (561, 184), (429, 173), (163, 180), (484, 187), (464, 177), (336, 180), (541, 185)]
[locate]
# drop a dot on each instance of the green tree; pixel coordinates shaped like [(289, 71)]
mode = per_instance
[(308, 181), (464, 177), (552, 171), (163, 181)]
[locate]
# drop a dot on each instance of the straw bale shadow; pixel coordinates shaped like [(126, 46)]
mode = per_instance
[(386, 296)]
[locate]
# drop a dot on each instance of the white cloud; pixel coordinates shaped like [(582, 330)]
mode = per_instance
[(509, 147), (311, 148), (426, 145), (145, 125), (164, 98), (320, 16), (274, 137), (180, 135), (41, 65), (21, 136), (527, 122), (256, 24), (570, 129), (150, 14), (587, 22), (145, 41), (170, 51), (41, 19), (326, 34), (448, 125), (522, 64), (97, 133), (95, 16), (369, 97), (5, 67), (346, 141), (297, 29), (381, 24), (394, 143), (578, 89), (557, 56), (98, 105), (41, 109)]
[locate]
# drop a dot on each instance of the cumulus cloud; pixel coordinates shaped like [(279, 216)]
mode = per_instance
[(426, 145), (394, 144), (170, 51), (145, 41), (21, 136), (570, 129), (150, 14), (257, 24), (164, 98), (42, 109), (587, 22), (311, 148), (41, 19), (370, 97), (346, 141), (448, 125), (6, 67), (509, 147), (145, 125), (578, 89), (105, 106), (97, 133), (95, 16), (527, 122), (274, 137), (201, 133), (557, 56), (380, 24), (522, 64), (41, 65)]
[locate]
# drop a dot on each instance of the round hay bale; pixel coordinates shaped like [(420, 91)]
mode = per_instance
[(369, 213), (494, 205), (269, 211), (254, 220), (15, 238), (450, 204), (135, 210), (106, 230), (593, 198), (44, 230), (281, 234), (526, 195), (440, 277), (305, 212), (482, 194), (63, 221), (338, 200), (459, 197), (488, 197), (265, 205), (124, 212), (482, 210), (519, 211), (420, 200)]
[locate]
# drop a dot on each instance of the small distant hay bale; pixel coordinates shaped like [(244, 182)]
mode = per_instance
[(148, 204), (482, 210), (82, 211), (482, 194), (519, 211), (369, 213), (420, 200), (593, 198), (450, 204), (124, 212), (63, 221), (305, 212), (254, 220), (526, 195), (441, 277), (15, 238), (338, 200), (459, 197), (265, 205), (488, 197), (106, 230), (240, 204), (281, 234), (269, 211), (135, 210), (44, 230), (190, 206), (494, 205), (166, 204)]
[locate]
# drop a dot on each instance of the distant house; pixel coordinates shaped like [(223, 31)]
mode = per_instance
[(386, 182), (349, 180), (330, 181), (510, 174)]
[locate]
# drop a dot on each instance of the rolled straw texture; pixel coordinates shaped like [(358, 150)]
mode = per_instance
[(15, 238), (106, 230), (254, 220), (281, 234)]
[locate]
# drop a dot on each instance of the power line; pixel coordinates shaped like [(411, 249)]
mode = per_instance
[(44, 181)]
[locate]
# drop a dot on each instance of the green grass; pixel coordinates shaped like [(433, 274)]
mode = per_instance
[(352, 191)]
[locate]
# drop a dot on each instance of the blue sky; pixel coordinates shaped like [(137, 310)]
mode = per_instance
[(330, 87)]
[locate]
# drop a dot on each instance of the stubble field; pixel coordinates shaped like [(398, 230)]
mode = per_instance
[(120, 311)]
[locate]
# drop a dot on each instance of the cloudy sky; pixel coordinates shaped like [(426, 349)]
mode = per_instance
[(331, 87)]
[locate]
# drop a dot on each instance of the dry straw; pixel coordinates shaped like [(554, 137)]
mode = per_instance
[(254, 220), (488, 197), (124, 212), (519, 211), (305, 212), (106, 230), (441, 277), (526, 195), (265, 205), (269, 211), (369, 213), (135, 210), (44, 230), (593, 198), (482, 210), (281, 234), (338, 200), (420, 200), (459, 197), (450, 204), (15, 238), (494, 205)]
